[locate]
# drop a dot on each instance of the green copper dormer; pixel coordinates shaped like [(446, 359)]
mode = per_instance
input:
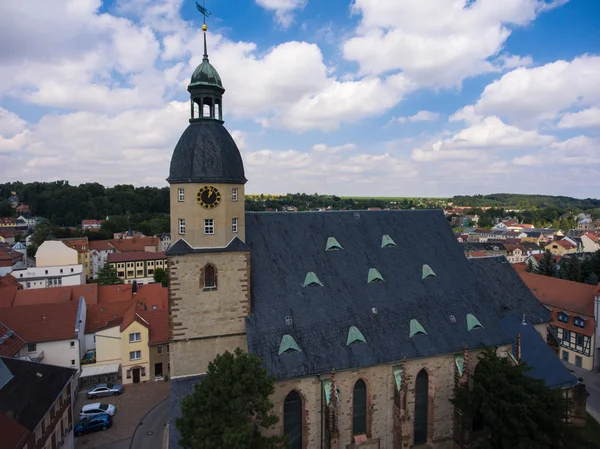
[(206, 90)]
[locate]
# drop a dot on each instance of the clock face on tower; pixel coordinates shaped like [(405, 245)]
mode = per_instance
[(209, 197)]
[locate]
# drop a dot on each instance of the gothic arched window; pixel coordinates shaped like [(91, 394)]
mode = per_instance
[(421, 407), (210, 277), (292, 419), (359, 408)]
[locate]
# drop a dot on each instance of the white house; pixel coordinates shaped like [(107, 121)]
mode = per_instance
[(590, 242), (55, 253), (55, 276), (29, 220), (99, 251), (53, 333), (165, 241)]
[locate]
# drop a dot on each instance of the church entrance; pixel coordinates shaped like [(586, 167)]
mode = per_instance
[(421, 407)]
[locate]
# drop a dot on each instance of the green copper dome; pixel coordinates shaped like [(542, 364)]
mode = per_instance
[(205, 74)]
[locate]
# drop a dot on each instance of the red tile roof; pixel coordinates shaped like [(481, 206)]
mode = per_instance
[(519, 267), (592, 237), (101, 245), (588, 329), (135, 256), (135, 244), (12, 345), (158, 321), (42, 322), (566, 244), (8, 290), (568, 295), (99, 316), (13, 433), (90, 222), (57, 295), (79, 244)]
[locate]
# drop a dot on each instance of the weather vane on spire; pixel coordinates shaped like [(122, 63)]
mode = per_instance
[(203, 11)]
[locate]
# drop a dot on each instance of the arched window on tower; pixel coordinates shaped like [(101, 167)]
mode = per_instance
[(210, 278), (292, 419), (217, 110), (359, 408), (197, 110)]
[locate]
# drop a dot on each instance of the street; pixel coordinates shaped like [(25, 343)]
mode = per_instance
[(150, 433), (592, 384)]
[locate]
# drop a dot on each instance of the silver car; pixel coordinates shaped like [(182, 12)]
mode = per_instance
[(104, 390), (98, 408)]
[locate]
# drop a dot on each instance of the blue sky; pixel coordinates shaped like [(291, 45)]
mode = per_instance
[(353, 97)]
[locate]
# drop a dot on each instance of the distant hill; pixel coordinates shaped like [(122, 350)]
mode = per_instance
[(521, 201)]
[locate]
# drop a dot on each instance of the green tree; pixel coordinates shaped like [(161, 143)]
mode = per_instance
[(571, 269), (546, 266), (5, 209), (592, 279), (161, 276), (529, 266), (107, 275), (515, 410), (31, 250), (229, 406)]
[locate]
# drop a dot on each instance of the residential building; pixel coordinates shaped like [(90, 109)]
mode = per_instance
[(573, 320), (516, 253), (8, 237), (91, 225), (11, 259), (158, 343), (129, 234), (590, 242), (398, 347), (137, 266), (13, 200), (36, 408), (478, 249), (126, 245), (55, 276), (29, 220), (54, 332), (81, 245), (165, 242), (7, 222), (55, 253), (23, 209), (586, 224), (99, 251), (561, 247)]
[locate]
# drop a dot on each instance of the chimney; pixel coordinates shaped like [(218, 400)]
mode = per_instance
[(519, 348)]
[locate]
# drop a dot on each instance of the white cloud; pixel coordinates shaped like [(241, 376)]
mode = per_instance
[(439, 42), (577, 151), (333, 149), (490, 134), (283, 9), (421, 116), (588, 118), (528, 96)]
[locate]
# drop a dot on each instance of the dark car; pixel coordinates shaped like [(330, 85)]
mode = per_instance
[(104, 390), (94, 424)]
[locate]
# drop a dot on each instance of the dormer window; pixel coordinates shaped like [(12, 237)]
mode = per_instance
[(579, 321), (563, 317)]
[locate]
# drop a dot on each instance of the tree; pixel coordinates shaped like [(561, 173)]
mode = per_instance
[(592, 279), (161, 276), (107, 275), (571, 269), (546, 266), (515, 410), (229, 406), (529, 266)]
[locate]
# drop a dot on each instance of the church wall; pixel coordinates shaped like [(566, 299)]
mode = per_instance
[(193, 356), (190, 210), (200, 315), (380, 399)]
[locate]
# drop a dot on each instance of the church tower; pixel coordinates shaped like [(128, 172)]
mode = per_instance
[(209, 263)]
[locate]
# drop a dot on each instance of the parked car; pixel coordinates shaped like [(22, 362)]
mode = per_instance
[(95, 409), (104, 390), (94, 424)]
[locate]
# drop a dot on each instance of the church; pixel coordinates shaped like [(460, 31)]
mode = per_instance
[(366, 319)]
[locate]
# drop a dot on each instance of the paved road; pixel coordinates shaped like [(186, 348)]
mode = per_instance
[(150, 433), (591, 379), (122, 444)]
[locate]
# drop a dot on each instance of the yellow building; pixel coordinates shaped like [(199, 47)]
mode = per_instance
[(561, 247), (137, 266)]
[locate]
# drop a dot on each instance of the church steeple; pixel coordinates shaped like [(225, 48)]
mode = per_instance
[(206, 90)]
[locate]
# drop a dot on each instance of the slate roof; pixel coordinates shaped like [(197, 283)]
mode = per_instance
[(537, 354), (29, 395), (178, 389), (206, 152), (285, 246), (507, 291)]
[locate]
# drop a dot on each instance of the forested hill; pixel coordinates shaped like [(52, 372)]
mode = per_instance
[(521, 201), (66, 205)]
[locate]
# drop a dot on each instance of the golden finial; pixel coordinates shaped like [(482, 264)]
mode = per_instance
[(204, 28)]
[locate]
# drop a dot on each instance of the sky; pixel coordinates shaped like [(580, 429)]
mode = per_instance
[(346, 97)]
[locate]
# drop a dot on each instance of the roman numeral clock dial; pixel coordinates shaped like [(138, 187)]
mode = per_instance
[(209, 197)]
